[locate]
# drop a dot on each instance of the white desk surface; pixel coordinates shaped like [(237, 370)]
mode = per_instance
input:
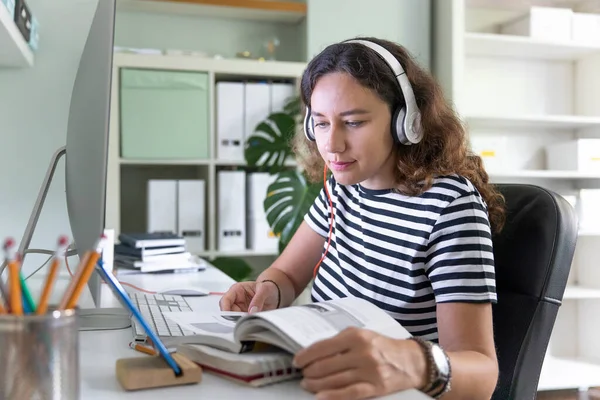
[(99, 350)]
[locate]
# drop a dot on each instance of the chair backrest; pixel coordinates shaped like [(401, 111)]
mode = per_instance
[(533, 256)]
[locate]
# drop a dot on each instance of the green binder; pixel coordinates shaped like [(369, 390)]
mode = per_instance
[(164, 114)]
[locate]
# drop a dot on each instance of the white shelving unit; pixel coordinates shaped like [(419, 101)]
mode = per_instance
[(14, 50), (288, 12), (517, 95), (122, 172)]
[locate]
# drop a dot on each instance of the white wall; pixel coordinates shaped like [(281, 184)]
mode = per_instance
[(406, 22), (34, 106)]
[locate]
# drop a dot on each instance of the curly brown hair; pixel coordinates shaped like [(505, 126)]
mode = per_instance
[(444, 149)]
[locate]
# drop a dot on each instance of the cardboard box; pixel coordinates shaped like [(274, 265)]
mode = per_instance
[(581, 155), (547, 23)]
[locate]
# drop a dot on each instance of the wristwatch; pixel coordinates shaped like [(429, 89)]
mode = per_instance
[(438, 366)]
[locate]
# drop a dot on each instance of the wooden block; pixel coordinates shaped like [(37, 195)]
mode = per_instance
[(152, 372)]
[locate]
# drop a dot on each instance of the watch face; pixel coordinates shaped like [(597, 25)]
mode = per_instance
[(440, 360)]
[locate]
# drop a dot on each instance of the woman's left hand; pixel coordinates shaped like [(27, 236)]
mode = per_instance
[(359, 363)]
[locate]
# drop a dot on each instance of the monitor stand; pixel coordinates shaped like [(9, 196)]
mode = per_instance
[(89, 318), (37, 208), (96, 319)]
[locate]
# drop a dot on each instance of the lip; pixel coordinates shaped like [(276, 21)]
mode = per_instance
[(340, 166)]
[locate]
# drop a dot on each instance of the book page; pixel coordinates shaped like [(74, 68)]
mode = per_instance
[(310, 323), (218, 325)]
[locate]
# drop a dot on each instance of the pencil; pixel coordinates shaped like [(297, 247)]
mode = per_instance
[(142, 349), (28, 302), (86, 273), (74, 279), (4, 292), (45, 297), (16, 305)]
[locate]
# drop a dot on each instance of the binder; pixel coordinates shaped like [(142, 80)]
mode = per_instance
[(191, 212), (232, 210), (230, 121), (162, 206), (280, 94), (257, 106), (260, 235)]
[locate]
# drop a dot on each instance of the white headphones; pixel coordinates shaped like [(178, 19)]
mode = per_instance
[(406, 121)]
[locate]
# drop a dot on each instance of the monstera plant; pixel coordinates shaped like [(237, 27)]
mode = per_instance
[(290, 196)]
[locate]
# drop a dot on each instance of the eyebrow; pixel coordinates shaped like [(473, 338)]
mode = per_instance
[(354, 111)]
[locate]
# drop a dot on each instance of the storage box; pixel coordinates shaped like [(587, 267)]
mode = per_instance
[(586, 28), (491, 149), (34, 38), (581, 155), (164, 114), (588, 210), (548, 23), (23, 19)]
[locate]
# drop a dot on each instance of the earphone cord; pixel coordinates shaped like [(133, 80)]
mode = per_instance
[(330, 222)]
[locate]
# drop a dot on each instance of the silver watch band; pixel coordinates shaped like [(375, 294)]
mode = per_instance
[(439, 370)]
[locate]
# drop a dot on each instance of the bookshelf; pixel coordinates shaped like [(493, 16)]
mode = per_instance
[(522, 94), (14, 50), (127, 178), (287, 12)]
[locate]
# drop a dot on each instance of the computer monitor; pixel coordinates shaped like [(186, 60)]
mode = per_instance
[(87, 136), (87, 155)]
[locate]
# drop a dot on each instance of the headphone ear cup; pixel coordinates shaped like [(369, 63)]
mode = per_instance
[(398, 133), (309, 125)]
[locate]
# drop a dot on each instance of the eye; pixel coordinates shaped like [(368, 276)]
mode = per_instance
[(321, 124), (354, 124)]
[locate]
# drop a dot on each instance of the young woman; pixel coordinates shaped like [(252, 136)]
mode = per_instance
[(406, 221)]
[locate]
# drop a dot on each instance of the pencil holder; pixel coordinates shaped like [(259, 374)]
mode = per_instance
[(39, 356)]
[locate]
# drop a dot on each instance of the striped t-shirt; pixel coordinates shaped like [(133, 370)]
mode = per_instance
[(405, 254)]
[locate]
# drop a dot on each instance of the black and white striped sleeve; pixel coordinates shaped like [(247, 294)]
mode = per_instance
[(460, 258), (317, 216)]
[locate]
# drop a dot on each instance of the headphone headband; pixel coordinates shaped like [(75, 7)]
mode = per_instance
[(406, 121)]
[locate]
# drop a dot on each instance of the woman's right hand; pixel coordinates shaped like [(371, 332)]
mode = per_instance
[(250, 297)]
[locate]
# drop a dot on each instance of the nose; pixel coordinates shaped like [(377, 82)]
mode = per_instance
[(336, 142)]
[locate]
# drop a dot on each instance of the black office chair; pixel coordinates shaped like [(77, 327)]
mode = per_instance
[(533, 256)]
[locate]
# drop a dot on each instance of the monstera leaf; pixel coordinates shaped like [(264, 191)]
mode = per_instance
[(236, 268), (288, 200), (269, 146)]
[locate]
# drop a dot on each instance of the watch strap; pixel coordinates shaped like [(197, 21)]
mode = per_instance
[(437, 384)]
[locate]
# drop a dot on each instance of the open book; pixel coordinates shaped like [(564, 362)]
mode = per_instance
[(258, 349), (291, 329)]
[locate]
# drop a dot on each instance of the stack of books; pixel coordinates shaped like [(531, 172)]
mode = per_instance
[(154, 252)]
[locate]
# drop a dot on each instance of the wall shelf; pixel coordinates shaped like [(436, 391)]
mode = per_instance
[(544, 174), (256, 10), (532, 121), (495, 45), (564, 373), (217, 162), (14, 50), (574, 292)]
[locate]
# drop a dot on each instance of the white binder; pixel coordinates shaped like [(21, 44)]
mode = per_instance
[(230, 120), (260, 235), (162, 205), (280, 94), (257, 106), (191, 213), (232, 210)]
